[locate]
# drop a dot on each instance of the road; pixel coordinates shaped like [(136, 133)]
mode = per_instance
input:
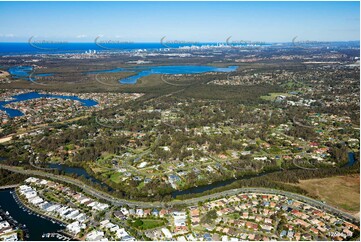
[(34, 128), (8, 186), (6, 139), (192, 201)]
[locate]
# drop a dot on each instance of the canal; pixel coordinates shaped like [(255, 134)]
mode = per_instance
[(36, 226)]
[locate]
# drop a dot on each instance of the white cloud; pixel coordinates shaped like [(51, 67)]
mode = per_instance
[(7, 35)]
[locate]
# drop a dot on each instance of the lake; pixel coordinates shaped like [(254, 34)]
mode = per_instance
[(34, 95), (175, 70), (171, 70), (35, 225), (24, 72)]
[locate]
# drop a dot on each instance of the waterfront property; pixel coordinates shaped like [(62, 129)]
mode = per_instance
[(9, 227), (34, 224), (243, 216), (71, 207), (36, 108), (35, 95)]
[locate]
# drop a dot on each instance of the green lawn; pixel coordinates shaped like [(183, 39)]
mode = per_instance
[(116, 177), (272, 96), (145, 224)]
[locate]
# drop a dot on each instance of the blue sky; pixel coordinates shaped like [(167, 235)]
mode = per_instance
[(181, 21)]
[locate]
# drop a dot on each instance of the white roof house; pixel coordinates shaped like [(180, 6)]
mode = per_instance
[(36, 200), (53, 208), (167, 233), (121, 233), (95, 235), (75, 227)]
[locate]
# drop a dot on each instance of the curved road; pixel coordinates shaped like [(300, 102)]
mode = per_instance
[(192, 201)]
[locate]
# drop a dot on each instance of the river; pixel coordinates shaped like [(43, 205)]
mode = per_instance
[(82, 172), (194, 190), (79, 171)]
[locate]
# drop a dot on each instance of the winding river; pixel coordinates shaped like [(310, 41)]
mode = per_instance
[(79, 171), (194, 190)]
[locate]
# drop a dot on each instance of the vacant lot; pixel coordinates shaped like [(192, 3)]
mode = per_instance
[(272, 96), (342, 192)]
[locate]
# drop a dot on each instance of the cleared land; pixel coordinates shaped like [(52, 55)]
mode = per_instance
[(5, 139), (340, 191), (4, 74), (272, 96)]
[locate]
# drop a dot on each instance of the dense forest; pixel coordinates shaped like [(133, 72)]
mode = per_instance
[(10, 178)]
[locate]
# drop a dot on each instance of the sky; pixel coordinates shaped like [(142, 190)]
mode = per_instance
[(179, 21)]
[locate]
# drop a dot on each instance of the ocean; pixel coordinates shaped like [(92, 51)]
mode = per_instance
[(65, 48), (33, 47)]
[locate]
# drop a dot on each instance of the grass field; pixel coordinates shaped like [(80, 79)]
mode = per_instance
[(342, 192), (144, 224), (116, 177), (272, 96)]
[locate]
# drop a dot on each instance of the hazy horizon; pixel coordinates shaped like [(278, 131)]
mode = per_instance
[(212, 22)]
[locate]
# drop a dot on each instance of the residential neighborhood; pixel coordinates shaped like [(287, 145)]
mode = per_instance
[(247, 216)]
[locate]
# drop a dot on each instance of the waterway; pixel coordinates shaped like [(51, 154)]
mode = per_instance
[(175, 70), (35, 224), (171, 70), (82, 172), (351, 159), (194, 190), (34, 95), (24, 72), (204, 188), (79, 172)]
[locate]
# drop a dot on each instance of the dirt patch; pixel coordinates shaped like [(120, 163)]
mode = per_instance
[(342, 192), (5, 139)]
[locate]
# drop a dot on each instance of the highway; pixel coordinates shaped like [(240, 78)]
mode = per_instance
[(192, 201)]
